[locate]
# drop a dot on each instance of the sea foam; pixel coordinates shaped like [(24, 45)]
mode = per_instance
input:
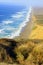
[(23, 24)]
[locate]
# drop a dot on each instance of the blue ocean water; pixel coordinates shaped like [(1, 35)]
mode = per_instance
[(11, 18)]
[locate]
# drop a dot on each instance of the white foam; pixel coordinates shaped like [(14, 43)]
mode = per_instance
[(7, 22), (17, 33)]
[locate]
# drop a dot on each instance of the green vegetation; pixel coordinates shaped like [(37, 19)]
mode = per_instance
[(40, 22), (34, 27)]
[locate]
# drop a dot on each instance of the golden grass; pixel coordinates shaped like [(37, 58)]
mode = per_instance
[(29, 49), (2, 63), (36, 33)]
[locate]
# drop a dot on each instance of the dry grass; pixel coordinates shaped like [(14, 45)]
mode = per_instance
[(29, 52), (37, 32), (7, 64)]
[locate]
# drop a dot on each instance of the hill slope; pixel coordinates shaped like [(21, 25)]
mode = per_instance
[(24, 52), (37, 31)]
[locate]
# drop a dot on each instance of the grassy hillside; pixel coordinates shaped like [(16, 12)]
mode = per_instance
[(23, 52), (37, 31)]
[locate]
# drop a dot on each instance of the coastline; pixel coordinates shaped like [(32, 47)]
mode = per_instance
[(26, 26)]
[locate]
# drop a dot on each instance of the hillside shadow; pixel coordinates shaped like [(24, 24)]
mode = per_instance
[(9, 49)]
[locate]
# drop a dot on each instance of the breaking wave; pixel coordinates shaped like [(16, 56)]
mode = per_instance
[(23, 24)]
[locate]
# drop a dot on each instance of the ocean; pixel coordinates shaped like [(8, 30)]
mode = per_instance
[(11, 20)]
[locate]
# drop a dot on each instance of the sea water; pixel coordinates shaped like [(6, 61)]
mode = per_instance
[(11, 20)]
